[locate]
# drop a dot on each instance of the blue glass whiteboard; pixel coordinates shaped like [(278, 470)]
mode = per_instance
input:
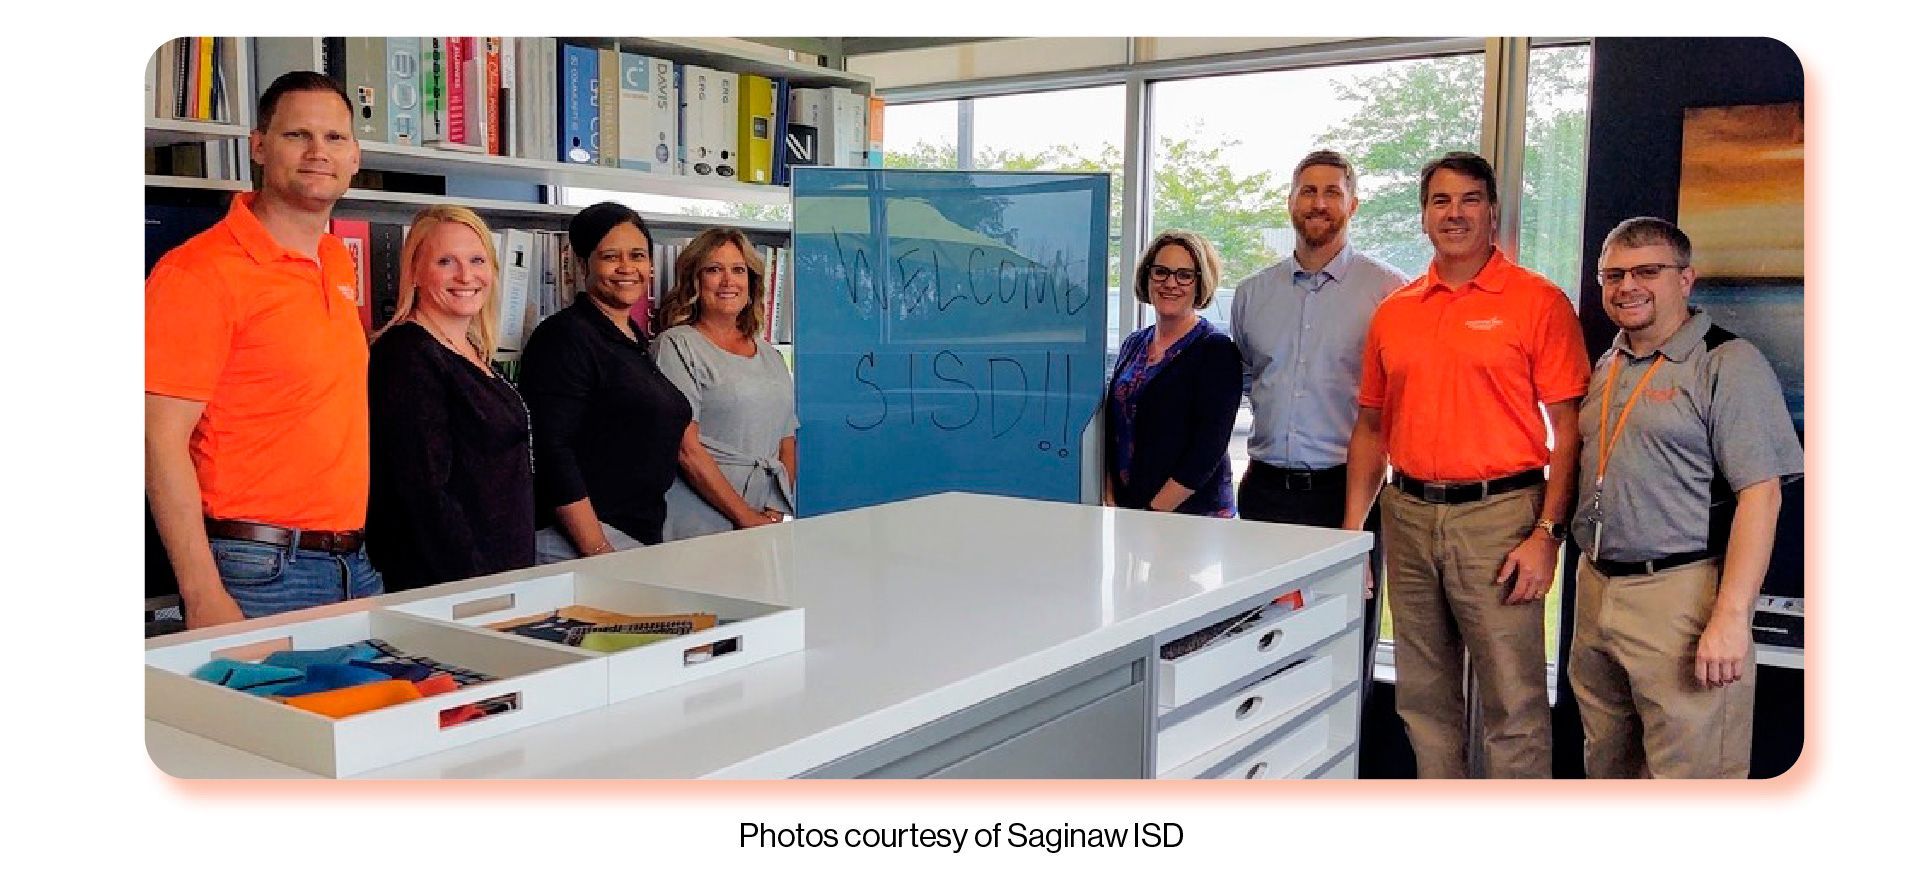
[(949, 332)]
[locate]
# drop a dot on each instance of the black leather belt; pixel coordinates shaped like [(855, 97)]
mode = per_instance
[(1469, 491), (334, 542), (1608, 567), (1301, 479)]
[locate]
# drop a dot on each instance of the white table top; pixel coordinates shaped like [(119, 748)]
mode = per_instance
[(915, 610)]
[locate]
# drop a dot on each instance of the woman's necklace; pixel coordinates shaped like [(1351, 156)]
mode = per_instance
[(489, 370), (470, 352)]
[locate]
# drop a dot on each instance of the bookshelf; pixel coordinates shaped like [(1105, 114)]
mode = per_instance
[(260, 59), (195, 165)]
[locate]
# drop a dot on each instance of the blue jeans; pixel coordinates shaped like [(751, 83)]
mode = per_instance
[(267, 579)]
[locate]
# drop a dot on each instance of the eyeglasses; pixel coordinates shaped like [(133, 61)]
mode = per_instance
[(1613, 276), (1160, 273)]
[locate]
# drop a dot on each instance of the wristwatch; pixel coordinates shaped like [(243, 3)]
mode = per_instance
[(1557, 531)]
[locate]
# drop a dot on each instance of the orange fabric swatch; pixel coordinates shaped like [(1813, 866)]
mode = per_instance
[(350, 701)]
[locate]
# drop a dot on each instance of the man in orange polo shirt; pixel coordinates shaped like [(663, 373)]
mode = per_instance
[(1459, 367), (257, 459)]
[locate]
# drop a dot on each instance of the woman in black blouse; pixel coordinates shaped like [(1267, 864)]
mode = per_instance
[(453, 485), (607, 424)]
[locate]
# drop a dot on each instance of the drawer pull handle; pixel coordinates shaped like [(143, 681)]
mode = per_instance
[(1256, 772), (710, 652), (1268, 640), (1248, 707)]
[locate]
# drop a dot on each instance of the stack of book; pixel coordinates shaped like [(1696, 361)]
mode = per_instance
[(546, 99), (192, 79)]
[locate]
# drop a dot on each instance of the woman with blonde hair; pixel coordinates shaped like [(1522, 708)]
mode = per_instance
[(737, 456), (452, 492), (1172, 400)]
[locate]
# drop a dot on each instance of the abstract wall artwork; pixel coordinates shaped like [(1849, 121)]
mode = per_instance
[(1741, 199)]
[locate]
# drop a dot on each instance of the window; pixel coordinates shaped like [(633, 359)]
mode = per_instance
[(1066, 130), (1222, 156), (653, 204), (919, 136), (1551, 236)]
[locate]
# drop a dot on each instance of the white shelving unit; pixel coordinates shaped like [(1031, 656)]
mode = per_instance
[(382, 156)]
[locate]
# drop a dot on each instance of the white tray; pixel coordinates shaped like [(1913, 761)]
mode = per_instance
[(757, 631), (545, 683)]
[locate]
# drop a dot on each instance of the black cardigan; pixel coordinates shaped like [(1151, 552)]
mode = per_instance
[(1184, 417), (607, 424), (453, 490)]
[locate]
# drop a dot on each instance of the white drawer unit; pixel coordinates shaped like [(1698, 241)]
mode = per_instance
[(1282, 757), (1273, 636), (533, 683), (749, 632), (1248, 709), (1264, 697), (1294, 746)]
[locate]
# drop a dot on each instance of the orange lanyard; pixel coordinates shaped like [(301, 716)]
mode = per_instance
[(1609, 445), (1609, 437)]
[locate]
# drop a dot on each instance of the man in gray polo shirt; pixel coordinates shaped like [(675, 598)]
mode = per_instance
[(1685, 442), (1300, 325)]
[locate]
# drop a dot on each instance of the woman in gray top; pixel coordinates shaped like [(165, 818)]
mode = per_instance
[(738, 455)]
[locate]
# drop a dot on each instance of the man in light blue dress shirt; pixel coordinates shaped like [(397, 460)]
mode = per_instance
[(1300, 325)]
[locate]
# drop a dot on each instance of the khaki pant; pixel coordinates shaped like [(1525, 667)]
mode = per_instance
[(1442, 561), (1633, 668)]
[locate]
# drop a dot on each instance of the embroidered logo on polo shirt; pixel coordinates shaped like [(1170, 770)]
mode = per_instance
[(1490, 324), (347, 291), (1660, 395)]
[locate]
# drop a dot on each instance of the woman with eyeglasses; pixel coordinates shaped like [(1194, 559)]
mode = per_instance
[(737, 455), (1172, 401)]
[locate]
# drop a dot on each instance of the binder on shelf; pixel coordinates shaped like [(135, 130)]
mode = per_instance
[(779, 149), (874, 132), (517, 257), (580, 126), (355, 235), (755, 136), (639, 129), (434, 91), (367, 86), (708, 122), (528, 141), (334, 58), (544, 101), (608, 106), (490, 89), (403, 90), (468, 95), (457, 92), (664, 139), (384, 257), (808, 112), (849, 112)]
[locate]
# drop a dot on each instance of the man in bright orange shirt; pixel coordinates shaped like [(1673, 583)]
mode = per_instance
[(1459, 367), (256, 425)]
